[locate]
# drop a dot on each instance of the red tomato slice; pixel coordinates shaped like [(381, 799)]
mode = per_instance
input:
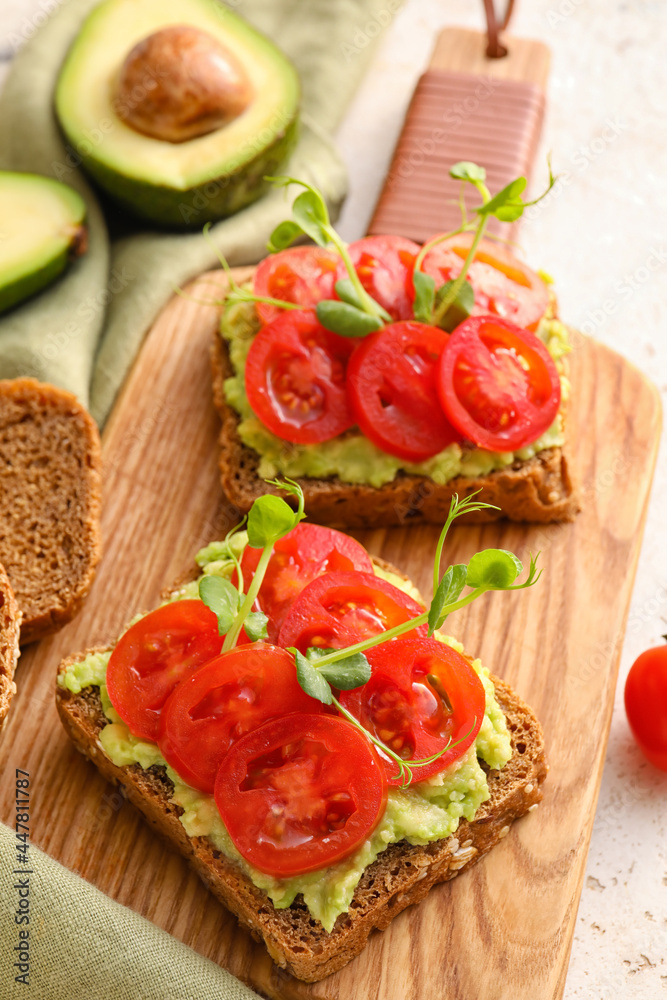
[(384, 265), (422, 694), (339, 609), (502, 284), (498, 384), (308, 551), (391, 382), (295, 379), (153, 656), (303, 275), (230, 696), (300, 793), (646, 704)]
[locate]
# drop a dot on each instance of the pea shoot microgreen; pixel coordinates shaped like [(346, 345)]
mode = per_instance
[(269, 519), (323, 672)]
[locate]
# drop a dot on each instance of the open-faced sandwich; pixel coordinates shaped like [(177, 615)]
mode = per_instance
[(386, 377), (334, 756)]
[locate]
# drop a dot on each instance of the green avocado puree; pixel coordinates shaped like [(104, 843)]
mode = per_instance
[(351, 456), (429, 810)]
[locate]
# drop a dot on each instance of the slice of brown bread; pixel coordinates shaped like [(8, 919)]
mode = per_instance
[(400, 876), (10, 621), (539, 489), (50, 502)]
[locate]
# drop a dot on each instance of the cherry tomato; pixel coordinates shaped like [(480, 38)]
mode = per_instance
[(295, 379), (300, 793), (152, 657), (502, 284), (646, 704), (339, 609), (391, 380), (422, 694), (384, 265), (230, 696), (498, 384), (308, 551), (303, 275)]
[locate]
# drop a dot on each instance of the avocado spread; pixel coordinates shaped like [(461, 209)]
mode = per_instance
[(426, 811), (351, 456)]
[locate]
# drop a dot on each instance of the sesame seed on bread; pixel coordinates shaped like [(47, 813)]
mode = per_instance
[(50, 501)]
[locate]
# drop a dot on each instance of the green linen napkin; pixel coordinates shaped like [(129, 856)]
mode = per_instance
[(84, 332), (83, 944)]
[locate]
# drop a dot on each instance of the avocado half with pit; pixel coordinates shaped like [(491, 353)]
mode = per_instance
[(41, 230), (177, 108)]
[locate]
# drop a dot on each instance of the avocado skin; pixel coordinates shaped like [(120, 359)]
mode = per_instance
[(191, 208)]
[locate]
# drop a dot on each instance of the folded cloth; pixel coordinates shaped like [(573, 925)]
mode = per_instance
[(82, 944), (84, 332)]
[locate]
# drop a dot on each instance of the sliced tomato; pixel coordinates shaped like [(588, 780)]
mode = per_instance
[(308, 551), (422, 695), (498, 384), (303, 275), (384, 265), (339, 609), (502, 284), (300, 793), (295, 379), (391, 381), (230, 696), (153, 656)]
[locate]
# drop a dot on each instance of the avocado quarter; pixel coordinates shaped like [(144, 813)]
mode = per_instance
[(176, 184), (41, 230)]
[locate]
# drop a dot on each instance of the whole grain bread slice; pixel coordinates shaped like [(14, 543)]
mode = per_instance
[(50, 502), (400, 876), (539, 489), (10, 621)]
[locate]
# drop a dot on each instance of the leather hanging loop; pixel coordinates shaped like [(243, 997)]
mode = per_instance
[(494, 48)]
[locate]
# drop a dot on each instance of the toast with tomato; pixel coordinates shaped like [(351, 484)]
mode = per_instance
[(10, 621), (383, 427), (337, 759)]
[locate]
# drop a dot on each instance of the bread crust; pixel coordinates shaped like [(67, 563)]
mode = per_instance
[(402, 875), (52, 492), (540, 489), (10, 621)]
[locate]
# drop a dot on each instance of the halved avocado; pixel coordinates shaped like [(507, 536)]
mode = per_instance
[(124, 67), (41, 229)]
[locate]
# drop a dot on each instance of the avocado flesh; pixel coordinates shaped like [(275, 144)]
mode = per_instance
[(176, 184), (41, 228)]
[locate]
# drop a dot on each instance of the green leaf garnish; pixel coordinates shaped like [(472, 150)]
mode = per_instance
[(270, 518), (310, 679), (310, 212), (352, 672), (507, 205), (346, 320), (424, 296), (222, 597), (493, 569), (255, 626), (449, 591), (467, 171), (459, 308), (283, 236)]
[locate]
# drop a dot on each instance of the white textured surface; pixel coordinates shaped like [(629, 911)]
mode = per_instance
[(603, 235)]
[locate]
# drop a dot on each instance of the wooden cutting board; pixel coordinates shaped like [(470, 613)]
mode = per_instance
[(502, 930)]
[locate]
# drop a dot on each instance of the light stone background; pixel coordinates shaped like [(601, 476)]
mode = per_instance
[(603, 234)]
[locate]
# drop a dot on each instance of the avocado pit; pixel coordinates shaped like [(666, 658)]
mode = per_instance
[(180, 83)]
